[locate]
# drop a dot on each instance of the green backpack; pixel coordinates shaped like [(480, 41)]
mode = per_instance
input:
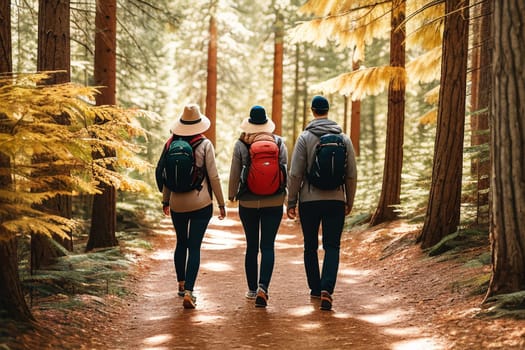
[(181, 174)]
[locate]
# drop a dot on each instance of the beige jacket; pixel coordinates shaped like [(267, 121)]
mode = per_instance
[(195, 200)]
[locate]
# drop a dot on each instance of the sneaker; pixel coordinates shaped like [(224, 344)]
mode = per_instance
[(189, 301), (251, 294), (181, 289), (315, 295), (326, 301), (261, 300)]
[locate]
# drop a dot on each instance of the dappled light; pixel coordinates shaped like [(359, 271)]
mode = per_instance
[(420, 343), (221, 239), (162, 255), (387, 317), (301, 311), (217, 267), (155, 341)]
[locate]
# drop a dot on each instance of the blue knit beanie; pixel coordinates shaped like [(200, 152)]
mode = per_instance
[(320, 104)]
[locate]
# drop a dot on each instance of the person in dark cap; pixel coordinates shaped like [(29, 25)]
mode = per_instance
[(325, 208), (260, 215)]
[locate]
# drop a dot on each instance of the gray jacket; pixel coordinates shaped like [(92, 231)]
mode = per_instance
[(241, 156), (302, 158)]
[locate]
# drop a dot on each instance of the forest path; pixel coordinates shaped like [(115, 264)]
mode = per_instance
[(365, 315)]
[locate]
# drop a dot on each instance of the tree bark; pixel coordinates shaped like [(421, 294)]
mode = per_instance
[(480, 100), (6, 59), (306, 106), (391, 187), (443, 211), (297, 92), (12, 301), (507, 220), (53, 40), (355, 120), (104, 218), (53, 55), (211, 86), (277, 95)]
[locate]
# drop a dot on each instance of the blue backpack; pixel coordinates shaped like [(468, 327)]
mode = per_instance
[(328, 170), (180, 173)]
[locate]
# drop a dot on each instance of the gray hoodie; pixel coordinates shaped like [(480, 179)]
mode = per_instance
[(302, 159)]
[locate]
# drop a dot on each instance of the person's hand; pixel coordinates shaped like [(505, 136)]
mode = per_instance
[(348, 209), (166, 210), (290, 212), (222, 214)]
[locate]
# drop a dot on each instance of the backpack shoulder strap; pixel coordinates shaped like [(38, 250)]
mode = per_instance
[(196, 140), (278, 141)]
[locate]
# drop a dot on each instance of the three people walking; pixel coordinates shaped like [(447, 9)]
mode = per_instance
[(261, 202)]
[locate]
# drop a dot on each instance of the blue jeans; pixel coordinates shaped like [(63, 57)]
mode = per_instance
[(267, 220), (189, 228), (330, 215)]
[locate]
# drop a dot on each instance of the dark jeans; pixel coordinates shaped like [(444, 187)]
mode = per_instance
[(190, 228), (330, 215), (267, 220)]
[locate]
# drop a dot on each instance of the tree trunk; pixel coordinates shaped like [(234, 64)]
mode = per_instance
[(6, 60), (391, 188), (508, 157), (53, 55), (53, 40), (277, 95), (443, 211), (103, 216), (306, 106), (480, 98), (355, 121), (211, 86), (297, 92), (12, 301)]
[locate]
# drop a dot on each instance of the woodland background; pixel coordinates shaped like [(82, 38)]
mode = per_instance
[(431, 103)]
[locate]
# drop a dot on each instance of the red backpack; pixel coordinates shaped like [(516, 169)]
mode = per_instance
[(264, 174)]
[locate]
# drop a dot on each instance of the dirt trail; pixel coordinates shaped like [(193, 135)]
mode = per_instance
[(364, 317)]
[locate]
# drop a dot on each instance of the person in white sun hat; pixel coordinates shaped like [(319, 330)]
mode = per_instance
[(192, 210), (261, 211)]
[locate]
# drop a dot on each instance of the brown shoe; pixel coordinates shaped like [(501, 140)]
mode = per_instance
[(189, 301), (261, 300), (326, 301)]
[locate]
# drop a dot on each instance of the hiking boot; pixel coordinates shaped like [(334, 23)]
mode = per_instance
[(261, 300), (251, 294), (189, 301), (326, 301), (181, 289)]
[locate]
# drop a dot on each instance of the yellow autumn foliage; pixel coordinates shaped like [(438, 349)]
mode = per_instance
[(348, 24), (364, 82), (48, 135), (426, 67), (354, 24)]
